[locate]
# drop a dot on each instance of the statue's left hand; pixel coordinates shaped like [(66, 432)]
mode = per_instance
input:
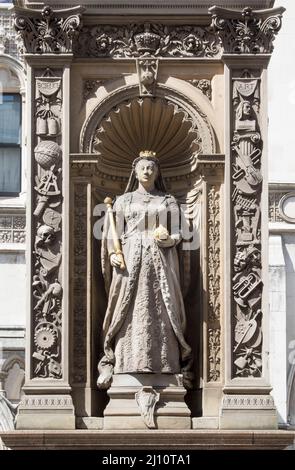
[(167, 243)]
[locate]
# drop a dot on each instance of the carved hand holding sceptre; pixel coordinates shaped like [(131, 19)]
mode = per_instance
[(116, 258)]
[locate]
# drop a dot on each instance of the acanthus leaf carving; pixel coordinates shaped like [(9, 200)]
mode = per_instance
[(247, 31), (48, 31)]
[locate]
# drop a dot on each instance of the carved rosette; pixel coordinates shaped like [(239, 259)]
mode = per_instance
[(246, 208), (47, 228), (48, 31), (143, 40), (213, 257), (246, 32)]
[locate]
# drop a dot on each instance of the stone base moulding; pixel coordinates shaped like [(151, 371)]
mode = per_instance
[(248, 412), (191, 439), (46, 412), (147, 401)]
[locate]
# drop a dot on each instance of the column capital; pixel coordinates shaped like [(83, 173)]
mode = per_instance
[(247, 31), (48, 31)]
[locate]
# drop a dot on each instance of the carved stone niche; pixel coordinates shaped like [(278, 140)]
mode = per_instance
[(180, 133)]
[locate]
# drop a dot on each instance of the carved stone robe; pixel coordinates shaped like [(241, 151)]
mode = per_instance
[(145, 319)]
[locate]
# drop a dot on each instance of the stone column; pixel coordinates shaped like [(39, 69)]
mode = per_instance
[(48, 40), (247, 39)]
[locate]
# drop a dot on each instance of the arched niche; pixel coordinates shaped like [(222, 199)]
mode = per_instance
[(177, 123)]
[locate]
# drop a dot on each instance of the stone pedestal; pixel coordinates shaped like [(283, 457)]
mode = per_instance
[(147, 401), (248, 412), (46, 412)]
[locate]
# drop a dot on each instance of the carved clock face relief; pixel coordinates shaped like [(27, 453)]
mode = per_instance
[(52, 218)]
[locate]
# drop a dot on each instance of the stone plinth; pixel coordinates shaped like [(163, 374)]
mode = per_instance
[(147, 401), (46, 412)]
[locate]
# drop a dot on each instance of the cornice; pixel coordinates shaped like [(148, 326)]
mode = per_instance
[(153, 7)]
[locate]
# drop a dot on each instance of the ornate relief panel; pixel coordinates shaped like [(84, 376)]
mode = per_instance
[(247, 283), (214, 293), (79, 300), (47, 226), (143, 40)]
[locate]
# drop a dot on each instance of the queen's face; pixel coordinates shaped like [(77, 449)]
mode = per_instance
[(146, 172)]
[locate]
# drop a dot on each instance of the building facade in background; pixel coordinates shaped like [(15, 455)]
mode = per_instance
[(12, 209)]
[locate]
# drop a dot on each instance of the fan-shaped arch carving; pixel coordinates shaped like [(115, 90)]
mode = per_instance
[(170, 123), (147, 123)]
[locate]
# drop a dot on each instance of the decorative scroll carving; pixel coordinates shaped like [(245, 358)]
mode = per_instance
[(246, 32), (12, 228), (147, 70), (47, 226), (48, 31), (79, 284), (146, 399), (204, 85), (132, 40), (246, 198), (213, 256), (214, 354)]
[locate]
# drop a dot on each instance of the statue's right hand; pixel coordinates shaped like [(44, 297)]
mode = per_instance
[(115, 260)]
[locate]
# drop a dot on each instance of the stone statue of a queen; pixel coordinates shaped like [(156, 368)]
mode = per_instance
[(145, 323)]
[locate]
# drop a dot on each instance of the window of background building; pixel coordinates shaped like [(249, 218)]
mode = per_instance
[(10, 144)]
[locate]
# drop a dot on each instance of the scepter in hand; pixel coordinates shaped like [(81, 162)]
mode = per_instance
[(117, 246)]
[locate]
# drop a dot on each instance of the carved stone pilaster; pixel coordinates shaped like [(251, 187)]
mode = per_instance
[(246, 176), (213, 256), (47, 358), (247, 38), (247, 31), (48, 31), (47, 290), (211, 168)]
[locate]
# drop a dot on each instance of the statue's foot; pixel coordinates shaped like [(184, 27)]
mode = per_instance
[(105, 377)]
